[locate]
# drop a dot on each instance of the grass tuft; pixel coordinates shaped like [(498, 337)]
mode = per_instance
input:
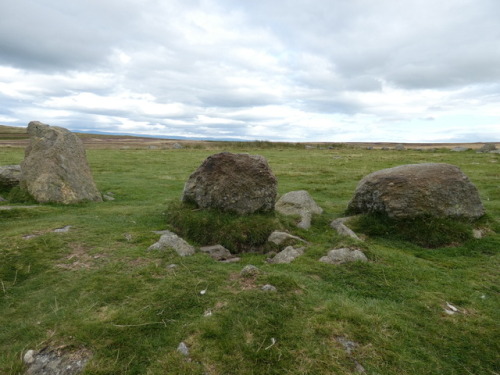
[(424, 231), (248, 233)]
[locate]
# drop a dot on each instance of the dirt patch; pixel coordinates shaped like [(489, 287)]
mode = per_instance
[(80, 258)]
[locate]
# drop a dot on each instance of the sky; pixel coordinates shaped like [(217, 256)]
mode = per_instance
[(289, 70)]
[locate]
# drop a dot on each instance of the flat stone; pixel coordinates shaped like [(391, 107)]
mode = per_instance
[(282, 237), (217, 252), (344, 255), (56, 361), (287, 255), (64, 229)]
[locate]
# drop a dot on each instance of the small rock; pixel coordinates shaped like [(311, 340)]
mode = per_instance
[(269, 288), (287, 255), (172, 266), (343, 255), (170, 240), (280, 237), (299, 203), (342, 229), (459, 149), (107, 197), (177, 146), (183, 349), (249, 270), (217, 252), (64, 229), (29, 357), (477, 233), (400, 147)]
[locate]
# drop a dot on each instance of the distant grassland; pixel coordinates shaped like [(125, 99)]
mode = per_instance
[(97, 287)]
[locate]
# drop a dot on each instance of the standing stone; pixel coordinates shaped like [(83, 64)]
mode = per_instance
[(238, 183), (55, 167), (299, 203), (407, 191), (10, 175)]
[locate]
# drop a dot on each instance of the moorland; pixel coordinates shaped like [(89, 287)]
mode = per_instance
[(97, 287)]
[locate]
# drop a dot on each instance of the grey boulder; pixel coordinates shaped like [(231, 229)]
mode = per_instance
[(413, 190), (55, 167), (238, 183)]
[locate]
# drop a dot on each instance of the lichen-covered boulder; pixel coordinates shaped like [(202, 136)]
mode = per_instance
[(55, 167), (412, 190), (238, 183)]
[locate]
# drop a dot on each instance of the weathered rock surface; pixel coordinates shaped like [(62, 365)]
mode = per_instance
[(56, 361), (217, 252), (487, 147), (459, 149), (287, 255), (344, 255), (340, 226), (170, 240), (238, 183), (279, 238), (10, 176), (299, 203), (55, 167), (433, 189)]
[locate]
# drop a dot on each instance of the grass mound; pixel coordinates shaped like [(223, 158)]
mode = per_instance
[(248, 233), (424, 231)]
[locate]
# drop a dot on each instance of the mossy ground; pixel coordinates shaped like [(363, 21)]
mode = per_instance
[(98, 287)]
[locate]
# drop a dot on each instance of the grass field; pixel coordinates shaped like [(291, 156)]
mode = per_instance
[(97, 287)]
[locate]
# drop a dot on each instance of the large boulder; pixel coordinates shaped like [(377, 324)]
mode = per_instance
[(55, 167), (406, 191), (299, 203), (487, 147), (238, 183), (10, 175)]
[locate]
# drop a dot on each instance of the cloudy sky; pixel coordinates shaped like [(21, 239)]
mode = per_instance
[(289, 70)]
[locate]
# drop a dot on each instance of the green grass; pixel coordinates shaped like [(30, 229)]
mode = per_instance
[(97, 286)]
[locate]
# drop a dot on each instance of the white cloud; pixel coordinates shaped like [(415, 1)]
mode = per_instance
[(299, 70)]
